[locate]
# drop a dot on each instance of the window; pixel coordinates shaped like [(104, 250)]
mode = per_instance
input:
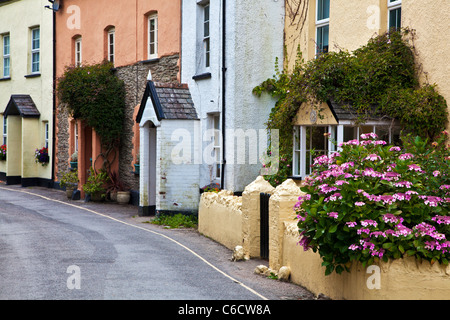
[(214, 123), (46, 133), (322, 25), (75, 129), (311, 141), (153, 36), (111, 44), (5, 130), (6, 56), (395, 14), (206, 38), (35, 50), (77, 53)]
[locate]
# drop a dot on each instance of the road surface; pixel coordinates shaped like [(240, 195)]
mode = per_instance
[(54, 248)]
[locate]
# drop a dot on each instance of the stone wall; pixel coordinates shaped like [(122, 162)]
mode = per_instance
[(62, 143)]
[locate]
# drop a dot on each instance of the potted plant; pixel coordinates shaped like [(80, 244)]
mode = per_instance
[(41, 156), (95, 186), (3, 152), (74, 160), (117, 189), (69, 180)]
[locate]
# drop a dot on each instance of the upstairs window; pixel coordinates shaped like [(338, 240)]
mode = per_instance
[(153, 36), (322, 25), (395, 14), (111, 44), (6, 56), (78, 52), (35, 50), (206, 36)]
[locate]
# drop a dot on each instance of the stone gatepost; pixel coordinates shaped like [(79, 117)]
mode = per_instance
[(281, 209), (251, 215)]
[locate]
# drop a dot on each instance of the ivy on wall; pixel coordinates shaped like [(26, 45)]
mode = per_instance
[(381, 77), (94, 94)]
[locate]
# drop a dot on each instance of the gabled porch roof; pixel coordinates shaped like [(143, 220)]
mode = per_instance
[(21, 105)]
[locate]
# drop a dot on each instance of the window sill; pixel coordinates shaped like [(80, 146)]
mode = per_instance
[(201, 76), (5, 79), (33, 75)]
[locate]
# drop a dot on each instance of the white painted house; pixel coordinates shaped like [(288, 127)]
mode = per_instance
[(227, 49)]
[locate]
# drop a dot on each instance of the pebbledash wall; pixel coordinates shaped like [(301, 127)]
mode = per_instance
[(234, 221), (239, 60)]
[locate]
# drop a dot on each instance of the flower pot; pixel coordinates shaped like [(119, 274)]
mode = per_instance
[(136, 168), (73, 164), (70, 188), (123, 197)]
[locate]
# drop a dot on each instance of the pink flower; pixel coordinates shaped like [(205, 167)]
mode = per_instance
[(359, 203), (394, 149), (405, 156), (333, 214), (373, 157)]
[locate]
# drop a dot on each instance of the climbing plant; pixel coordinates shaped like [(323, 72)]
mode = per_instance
[(94, 94), (381, 77)]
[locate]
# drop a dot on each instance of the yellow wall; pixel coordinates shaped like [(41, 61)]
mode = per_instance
[(17, 17), (353, 23)]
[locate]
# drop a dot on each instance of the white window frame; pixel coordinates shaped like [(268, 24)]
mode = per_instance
[(6, 56), (319, 25), (337, 135), (75, 133), (154, 18), (5, 130), (214, 124), (206, 35), (78, 51), (46, 133), (35, 51), (111, 44), (392, 6)]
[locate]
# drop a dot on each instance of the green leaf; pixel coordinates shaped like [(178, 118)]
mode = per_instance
[(333, 228)]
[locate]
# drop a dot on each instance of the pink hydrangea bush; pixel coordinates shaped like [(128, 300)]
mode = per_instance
[(373, 201)]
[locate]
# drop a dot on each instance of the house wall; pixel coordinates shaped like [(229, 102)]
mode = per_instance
[(90, 20), (17, 17), (249, 61), (352, 24), (176, 172)]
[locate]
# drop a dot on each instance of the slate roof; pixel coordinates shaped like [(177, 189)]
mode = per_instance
[(170, 100), (21, 105), (342, 112)]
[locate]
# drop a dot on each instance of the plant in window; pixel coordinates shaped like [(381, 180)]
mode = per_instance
[(41, 156), (3, 152), (372, 201)]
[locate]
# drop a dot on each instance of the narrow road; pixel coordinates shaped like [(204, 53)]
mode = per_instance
[(52, 248)]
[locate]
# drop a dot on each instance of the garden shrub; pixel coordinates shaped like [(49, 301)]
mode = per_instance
[(372, 201)]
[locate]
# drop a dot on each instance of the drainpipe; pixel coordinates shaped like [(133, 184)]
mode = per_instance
[(224, 69)]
